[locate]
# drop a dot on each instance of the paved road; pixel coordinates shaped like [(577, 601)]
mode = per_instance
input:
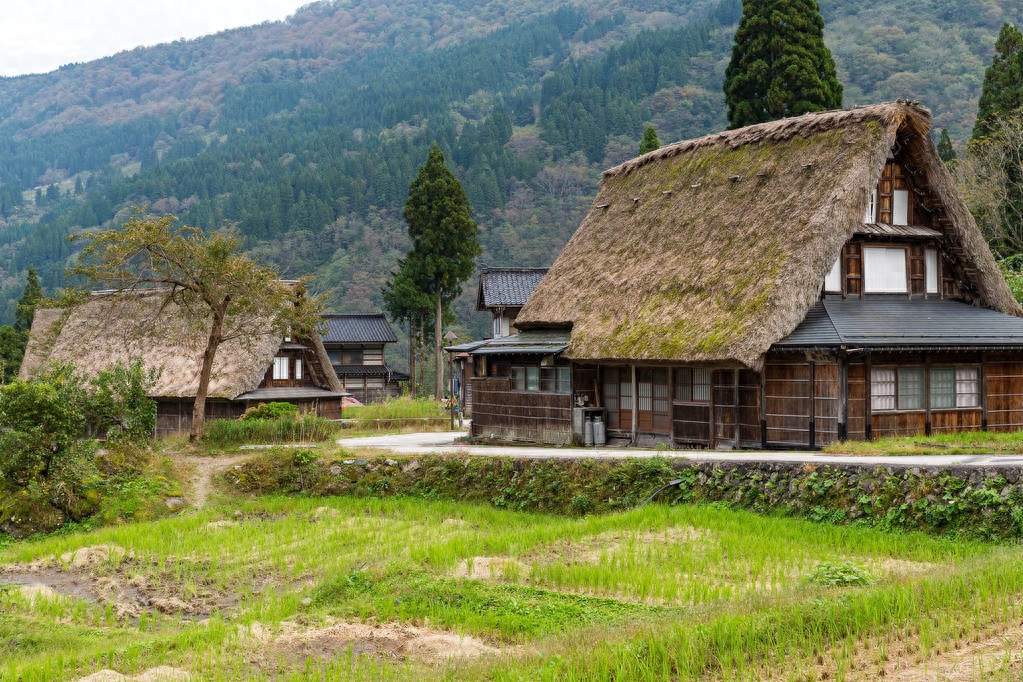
[(446, 443)]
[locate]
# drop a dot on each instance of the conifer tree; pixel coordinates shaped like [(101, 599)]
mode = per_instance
[(1002, 92), (650, 141), (945, 149), (444, 241), (27, 303), (780, 65)]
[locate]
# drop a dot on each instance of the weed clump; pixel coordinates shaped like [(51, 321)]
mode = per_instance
[(842, 574)]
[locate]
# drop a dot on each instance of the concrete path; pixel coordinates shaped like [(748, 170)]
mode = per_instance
[(447, 443)]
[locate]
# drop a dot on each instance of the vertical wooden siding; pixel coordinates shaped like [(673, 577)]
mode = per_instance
[(520, 415), (1004, 386)]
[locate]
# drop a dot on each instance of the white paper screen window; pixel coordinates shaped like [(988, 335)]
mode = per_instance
[(931, 265), (298, 368), (884, 270), (900, 207), (833, 282), (280, 369), (868, 217)]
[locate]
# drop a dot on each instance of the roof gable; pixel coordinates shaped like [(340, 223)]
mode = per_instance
[(108, 329), (367, 328), (507, 287), (714, 249)]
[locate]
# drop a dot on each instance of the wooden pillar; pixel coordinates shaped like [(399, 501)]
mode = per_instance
[(635, 405), (843, 395), (812, 424), (982, 378), (763, 406), (868, 417), (736, 430), (927, 393)]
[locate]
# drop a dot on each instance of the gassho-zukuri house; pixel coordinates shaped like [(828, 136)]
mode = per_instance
[(786, 284), (108, 329)]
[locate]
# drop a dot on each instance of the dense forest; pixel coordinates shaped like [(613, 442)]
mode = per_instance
[(306, 133)]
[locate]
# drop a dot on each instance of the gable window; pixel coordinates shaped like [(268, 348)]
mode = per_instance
[(884, 270), (869, 216), (900, 207), (833, 280), (692, 384), (931, 268), (280, 368), (298, 368)]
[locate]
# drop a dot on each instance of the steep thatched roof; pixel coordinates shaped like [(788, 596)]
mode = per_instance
[(107, 329), (715, 248)]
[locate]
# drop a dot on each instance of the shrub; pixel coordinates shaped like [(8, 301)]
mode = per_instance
[(119, 404), (270, 411)]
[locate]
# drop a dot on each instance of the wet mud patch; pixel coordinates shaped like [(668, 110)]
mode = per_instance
[(108, 576), (292, 643)]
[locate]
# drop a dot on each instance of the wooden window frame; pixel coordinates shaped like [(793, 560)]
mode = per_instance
[(519, 379), (927, 387), (281, 368), (679, 381), (907, 284)]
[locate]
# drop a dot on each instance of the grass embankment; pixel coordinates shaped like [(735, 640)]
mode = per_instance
[(278, 587), (966, 443), (403, 413)]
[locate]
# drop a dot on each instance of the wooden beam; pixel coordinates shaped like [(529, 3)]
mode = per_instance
[(843, 395)]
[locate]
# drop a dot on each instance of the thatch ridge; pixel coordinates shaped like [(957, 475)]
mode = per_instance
[(111, 328), (713, 249)]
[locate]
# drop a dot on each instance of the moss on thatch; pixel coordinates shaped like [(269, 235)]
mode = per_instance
[(713, 249), (108, 329)]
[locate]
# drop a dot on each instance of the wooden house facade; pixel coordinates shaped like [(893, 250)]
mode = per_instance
[(787, 284), (355, 345), (263, 367)]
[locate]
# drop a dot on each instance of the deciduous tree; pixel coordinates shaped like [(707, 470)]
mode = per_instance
[(213, 286), (780, 65)]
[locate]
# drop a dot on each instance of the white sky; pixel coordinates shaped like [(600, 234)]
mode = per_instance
[(37, 36)]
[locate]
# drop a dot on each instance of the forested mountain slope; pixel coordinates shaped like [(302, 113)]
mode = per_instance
[(306, 133)]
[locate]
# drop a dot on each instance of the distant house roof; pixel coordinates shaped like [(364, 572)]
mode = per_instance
[(368, 328), (512, 287), (894, 321), (120, 327), (714, 249), (370, 371), (536, 342)]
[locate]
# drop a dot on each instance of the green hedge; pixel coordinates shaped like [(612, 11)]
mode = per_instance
[(974, 503)]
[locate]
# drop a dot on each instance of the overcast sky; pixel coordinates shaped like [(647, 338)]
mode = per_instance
[(37, 36)]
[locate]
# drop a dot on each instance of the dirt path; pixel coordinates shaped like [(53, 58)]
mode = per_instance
[(198, 472)]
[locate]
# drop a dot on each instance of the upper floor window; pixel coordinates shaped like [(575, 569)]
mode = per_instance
[(280, 368), (900, 207), (884, 270), (833, 280), (871, 215), (298, 368), (931, 268)]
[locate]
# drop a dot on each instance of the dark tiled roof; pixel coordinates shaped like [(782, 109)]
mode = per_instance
[(358, 329), (507, 286), (292, 393), (369, 371), (533, 342), (894, 321)]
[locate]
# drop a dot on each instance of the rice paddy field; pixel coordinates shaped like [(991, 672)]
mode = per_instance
[(366, 589)]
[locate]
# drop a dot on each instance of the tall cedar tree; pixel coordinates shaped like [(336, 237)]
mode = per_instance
[(946, 151), (217, 290), (1002, 92), (444, 241), (27, 303), (780, 65), (650, 141)]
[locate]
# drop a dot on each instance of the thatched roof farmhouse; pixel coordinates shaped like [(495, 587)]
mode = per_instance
[(787, 283), (110, 328)]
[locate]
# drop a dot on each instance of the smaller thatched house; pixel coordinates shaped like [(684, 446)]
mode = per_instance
[(118, 328), (785, 284)]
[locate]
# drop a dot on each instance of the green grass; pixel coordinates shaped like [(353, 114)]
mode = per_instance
[(966, 443), (686, 592), (396, 414), (222, 433)]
